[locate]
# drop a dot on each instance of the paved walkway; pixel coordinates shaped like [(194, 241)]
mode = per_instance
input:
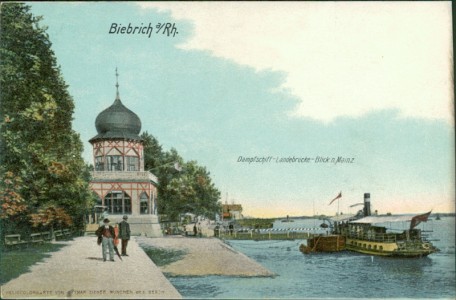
[(78, 271), (205, 256)]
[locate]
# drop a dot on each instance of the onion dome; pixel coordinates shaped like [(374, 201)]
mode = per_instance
[(117, 122)]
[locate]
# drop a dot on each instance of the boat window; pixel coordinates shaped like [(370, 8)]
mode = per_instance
[(369, 247), (381, 248), (375, 247)]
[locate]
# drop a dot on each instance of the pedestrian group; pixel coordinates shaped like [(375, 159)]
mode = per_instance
[(109, 236)]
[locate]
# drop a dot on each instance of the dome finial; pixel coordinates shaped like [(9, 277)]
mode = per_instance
[(117, 85)]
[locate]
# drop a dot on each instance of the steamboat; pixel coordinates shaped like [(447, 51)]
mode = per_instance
[(368, 234)]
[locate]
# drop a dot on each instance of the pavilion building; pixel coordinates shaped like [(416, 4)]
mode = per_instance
[(119, 180)]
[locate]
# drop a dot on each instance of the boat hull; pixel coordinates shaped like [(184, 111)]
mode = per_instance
[(392, 249), (324, 243)]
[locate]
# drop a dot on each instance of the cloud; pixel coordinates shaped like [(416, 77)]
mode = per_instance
[(341, 59)]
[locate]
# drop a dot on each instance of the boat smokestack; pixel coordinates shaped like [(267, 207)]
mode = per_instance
[(367, 204)]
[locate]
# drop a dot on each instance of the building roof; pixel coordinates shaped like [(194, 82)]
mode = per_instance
[(232, 207), (341, 218), (384, 219), (117, 122)]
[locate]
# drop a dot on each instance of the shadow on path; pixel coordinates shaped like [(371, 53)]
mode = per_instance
[(95, 258), (15, 262)]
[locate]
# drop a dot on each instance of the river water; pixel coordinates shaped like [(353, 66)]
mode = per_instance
[(339, 275)]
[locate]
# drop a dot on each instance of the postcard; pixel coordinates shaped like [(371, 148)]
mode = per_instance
[(227, 150)]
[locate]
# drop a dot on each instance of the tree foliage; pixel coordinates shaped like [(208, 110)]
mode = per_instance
[(12, 202), (51, 216), (38, 145), (189, 190)]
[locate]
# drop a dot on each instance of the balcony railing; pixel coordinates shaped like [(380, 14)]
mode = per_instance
[(124, 175)]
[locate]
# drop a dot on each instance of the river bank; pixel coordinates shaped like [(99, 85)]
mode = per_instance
[(204, 256)]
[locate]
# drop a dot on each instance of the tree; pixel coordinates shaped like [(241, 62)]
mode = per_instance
[(153, 152), (190, 190), (37, 142), (197, 194), (12, 202), (52, 217), (13, 206)]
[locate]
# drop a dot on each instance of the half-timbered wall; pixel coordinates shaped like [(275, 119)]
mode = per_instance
[(136, 191), (118, 155)]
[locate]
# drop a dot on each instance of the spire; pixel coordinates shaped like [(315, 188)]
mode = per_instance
[(117, 85)]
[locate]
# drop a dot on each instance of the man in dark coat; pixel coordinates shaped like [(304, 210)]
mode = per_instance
[(124, 234), (106, 232)]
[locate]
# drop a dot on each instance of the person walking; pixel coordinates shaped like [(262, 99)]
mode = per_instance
[(231, 227), (124, 234), (200, 230), (106, 232)]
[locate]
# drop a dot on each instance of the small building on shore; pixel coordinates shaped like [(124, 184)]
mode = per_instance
[(119, 180), (232, 211)]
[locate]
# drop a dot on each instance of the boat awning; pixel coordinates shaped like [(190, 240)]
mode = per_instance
[(384, 219), (341, 218)]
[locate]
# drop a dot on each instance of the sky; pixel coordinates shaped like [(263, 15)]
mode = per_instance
[(285, 104)]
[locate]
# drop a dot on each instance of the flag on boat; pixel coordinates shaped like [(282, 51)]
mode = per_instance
[(418, 219), (338, 196)]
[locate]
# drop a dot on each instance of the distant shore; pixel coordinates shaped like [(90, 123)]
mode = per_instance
[(205, 256)]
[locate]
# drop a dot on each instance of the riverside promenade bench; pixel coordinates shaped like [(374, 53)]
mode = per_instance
[(62, 234), (14, 240), (66, 233), (58, 234), (46, 236), (36, 238)]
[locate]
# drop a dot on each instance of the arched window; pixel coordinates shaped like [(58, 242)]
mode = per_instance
[(155, 206), (144, 204), (118, 203), (98, 201)]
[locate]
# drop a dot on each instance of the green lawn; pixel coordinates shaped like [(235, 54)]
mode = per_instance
[(162, 257), (15, 262)]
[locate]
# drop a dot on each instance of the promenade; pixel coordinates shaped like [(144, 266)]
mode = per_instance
[(204, 257), (77, 271)]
